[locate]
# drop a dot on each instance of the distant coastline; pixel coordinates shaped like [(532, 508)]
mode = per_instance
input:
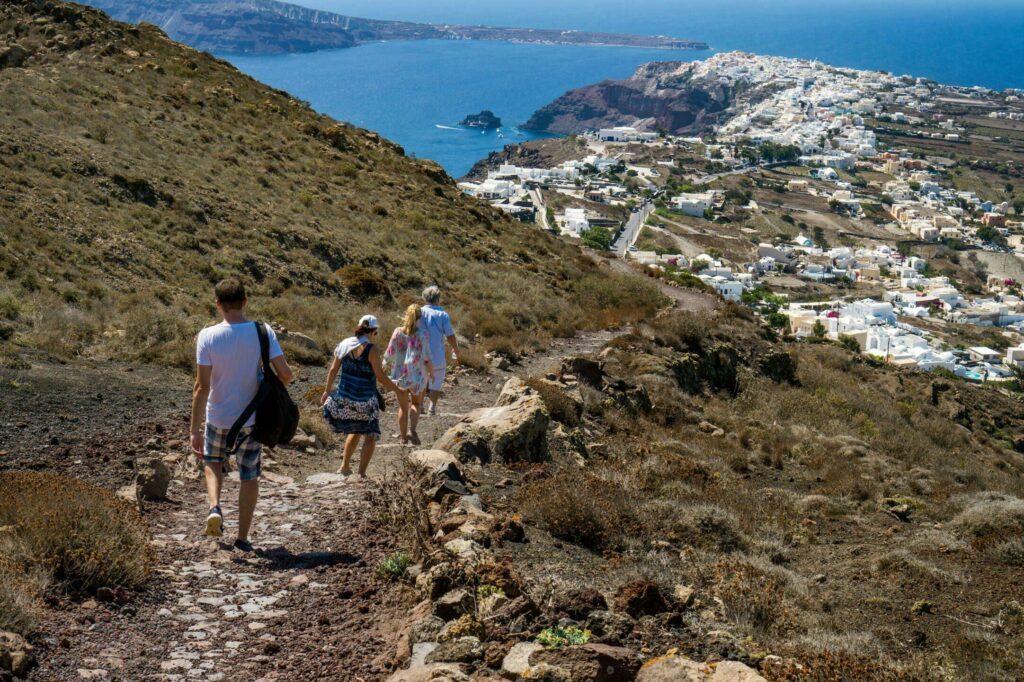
[(265, 27)]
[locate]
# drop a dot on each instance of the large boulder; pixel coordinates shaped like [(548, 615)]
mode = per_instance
[(16, 655), (152, 477), (682, 669), (513, 430), (592, 662)]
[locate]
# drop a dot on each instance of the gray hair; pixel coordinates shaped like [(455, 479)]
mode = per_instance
[(432, 294)]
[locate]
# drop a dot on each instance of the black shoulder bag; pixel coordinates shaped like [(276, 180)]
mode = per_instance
[(277, 415)]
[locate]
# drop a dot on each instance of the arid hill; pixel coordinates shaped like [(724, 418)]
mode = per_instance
[(135, 172)]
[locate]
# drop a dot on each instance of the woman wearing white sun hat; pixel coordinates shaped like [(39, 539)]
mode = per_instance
[(353, 407)]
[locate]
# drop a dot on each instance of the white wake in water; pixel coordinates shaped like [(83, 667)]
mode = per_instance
[(438, 125)]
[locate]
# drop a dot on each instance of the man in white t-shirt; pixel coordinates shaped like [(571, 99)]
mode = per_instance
[(438, 326), (228, 374)]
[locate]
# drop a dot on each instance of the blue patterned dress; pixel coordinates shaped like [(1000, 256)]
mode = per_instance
[(353, 407)]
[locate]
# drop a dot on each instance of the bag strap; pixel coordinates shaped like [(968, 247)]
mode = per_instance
[(261, 392)]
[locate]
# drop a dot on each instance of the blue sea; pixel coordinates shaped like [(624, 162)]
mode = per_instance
[(416, 92)]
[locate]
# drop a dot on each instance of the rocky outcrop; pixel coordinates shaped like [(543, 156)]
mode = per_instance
[(485, 119), (514, 430), (659, 95)]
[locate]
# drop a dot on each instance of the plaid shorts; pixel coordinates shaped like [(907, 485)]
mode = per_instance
[(248, 456)]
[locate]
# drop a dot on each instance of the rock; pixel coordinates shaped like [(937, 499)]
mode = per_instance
[(545, 672), (325, 479), (510, 529), (734, 671), (302, 440), (152, 477), (514, 430), (439, 463), (461, 650), (16, 654), (681, 669), (709, 428), (568, 447), (517, 660), (130, 494), (425, 630), (491, 603), (608, 626), (301, 340), (453, 604), (897, 508), (500, 575), (683, 595), (517, 612), (465, 549), (501, 363), (587, 371), (445, 489), (438, 672), (464, 626), (641, 598), (14, 55), (578, 604), (592, 662), (439, 579)]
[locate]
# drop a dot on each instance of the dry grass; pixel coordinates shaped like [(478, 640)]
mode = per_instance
[(90, 540), (21, 593), (781, 516), (324, 221)]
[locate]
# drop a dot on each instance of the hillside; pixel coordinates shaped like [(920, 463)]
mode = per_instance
[(135, 172), (659, 95), (270, 27)]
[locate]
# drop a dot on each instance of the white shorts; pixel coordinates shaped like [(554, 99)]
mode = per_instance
[(437, 380)]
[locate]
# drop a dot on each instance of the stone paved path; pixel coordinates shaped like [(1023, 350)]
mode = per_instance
[(306, 605)]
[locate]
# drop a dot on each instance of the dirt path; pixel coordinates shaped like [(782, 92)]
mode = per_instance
[(307, 604), (683, 299)]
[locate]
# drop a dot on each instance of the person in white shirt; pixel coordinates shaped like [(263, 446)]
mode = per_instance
[(437, 324), (228, 374)]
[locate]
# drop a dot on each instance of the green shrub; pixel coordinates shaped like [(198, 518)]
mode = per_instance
[(558, 637), (10, 307), (849, 343), (363, 283), (89, 540), (393, 567)]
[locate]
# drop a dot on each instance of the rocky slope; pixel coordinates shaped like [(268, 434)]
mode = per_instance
[(135, 171), (659, 95), (269, 26)]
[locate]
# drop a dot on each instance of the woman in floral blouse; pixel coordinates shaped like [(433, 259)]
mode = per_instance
[(408, 363)]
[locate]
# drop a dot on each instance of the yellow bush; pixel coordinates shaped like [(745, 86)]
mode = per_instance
[(79, 535)]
